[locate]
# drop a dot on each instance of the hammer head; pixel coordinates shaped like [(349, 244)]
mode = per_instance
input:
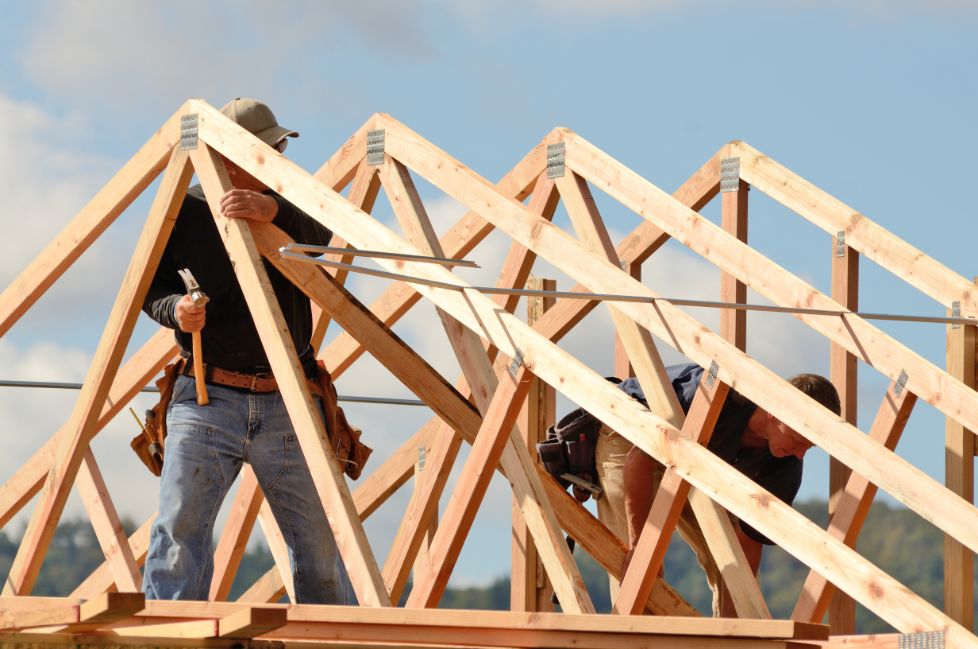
[(197, 295)]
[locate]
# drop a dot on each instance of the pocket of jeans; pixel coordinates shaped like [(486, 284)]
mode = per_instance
[(183, 390)]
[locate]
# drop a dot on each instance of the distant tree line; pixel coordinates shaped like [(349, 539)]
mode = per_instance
[(895, 539)]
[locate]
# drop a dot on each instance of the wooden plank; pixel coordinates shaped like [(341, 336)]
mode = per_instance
[(862, 234), (469, 490), (733, 219), (75, 437), (93, 219), (959, 476), (905, 482), (342, 166), (101, 579), (460, 240), (237, 530), (132, 377), (309, 426), (413, 218), (855, 501), (642, 352), (529, 589), (106, 609), (251, 622), (107, 526), (843, 374), (422, 508), (660, 522), (737, 577), (623, 366), (278, 548), (268, 588)]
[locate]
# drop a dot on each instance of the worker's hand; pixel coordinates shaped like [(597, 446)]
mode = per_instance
[(190, 317), (246, 204)]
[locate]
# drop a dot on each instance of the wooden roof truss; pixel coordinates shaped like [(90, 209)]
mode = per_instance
[(503, 360)]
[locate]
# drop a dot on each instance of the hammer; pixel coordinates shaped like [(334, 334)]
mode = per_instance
[(199, 298)]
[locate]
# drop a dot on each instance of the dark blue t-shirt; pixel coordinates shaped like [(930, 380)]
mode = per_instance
[(779, 475)]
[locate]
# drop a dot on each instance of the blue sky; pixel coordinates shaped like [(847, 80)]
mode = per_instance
[(872, 101)]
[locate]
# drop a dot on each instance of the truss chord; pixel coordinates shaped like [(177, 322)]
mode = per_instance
[(380, 254), (613, 297)]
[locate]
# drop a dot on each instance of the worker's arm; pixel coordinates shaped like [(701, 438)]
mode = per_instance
[(752, 549)]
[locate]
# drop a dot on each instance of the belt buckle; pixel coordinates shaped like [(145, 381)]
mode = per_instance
[(255, 378)]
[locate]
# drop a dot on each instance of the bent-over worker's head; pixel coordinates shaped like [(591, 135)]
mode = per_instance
[(782, 440)]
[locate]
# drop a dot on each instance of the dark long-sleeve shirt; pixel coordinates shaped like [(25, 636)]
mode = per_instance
[(229, 337)]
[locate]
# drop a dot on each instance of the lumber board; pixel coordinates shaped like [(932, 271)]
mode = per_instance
[(107, 526), (251, 622), (734, 219), (855, 501), (667, 504), (309, 426), (234, 537), (529, 588), (868, 237), (736, 574), (843, 374), (341, 167), (267, 588), (105, 364), (458, 241), (637, 341), (277, 547), (959, 476), (101, 579), (902, 480), (132, 377), (470, 488), (93, 219)]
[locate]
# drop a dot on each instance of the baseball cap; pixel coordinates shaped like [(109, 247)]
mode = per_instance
[(257, 118)]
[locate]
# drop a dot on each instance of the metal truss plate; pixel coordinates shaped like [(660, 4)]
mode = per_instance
[(921, 640), (901, 382), (711, 376), (555, 160), (517, 363), (956, 313), (729, 174), (375, 147), (188, 132), (840, 243)]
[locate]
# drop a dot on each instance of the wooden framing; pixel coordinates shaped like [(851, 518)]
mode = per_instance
[(498, 355)]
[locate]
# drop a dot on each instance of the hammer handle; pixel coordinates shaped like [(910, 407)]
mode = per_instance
[(202, 399)]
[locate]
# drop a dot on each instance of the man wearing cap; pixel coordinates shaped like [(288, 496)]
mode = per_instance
[(246, 419)]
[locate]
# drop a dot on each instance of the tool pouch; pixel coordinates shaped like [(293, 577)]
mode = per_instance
[(148, 444), (569, 448), (350, 452)]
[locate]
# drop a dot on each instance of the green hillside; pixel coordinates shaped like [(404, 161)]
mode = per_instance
[(894, 538)]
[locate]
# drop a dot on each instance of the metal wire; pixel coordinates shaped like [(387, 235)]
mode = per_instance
[(378, 254), (613, 297), (77, 386)]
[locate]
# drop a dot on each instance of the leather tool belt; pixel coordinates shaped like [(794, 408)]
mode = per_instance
[(262, 382)]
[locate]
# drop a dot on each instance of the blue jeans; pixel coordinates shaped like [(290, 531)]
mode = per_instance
[(205, 447)]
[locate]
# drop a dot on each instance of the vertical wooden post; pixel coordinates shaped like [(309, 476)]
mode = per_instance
[(733, 217), (842, 373), (529, 587), (959, 476), (623, 366), (421, 560)]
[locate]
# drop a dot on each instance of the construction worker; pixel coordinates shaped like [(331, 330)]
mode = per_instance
[(245, 419), (749, 438)]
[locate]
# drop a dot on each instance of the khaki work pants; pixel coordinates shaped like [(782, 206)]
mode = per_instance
[(609, 458)]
